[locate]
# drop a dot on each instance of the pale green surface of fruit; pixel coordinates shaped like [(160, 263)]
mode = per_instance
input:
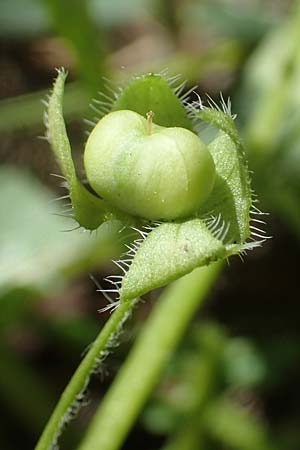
[(164, 175)]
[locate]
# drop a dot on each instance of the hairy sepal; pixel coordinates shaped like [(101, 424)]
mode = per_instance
[(231, 196), (153, 92), (89, 211)]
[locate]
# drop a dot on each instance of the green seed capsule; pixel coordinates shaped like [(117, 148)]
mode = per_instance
[(147, 170)]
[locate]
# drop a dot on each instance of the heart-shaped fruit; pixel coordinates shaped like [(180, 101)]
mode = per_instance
[(147, 170)]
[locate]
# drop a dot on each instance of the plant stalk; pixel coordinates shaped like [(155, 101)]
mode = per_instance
[(150, 354), (79, 380)]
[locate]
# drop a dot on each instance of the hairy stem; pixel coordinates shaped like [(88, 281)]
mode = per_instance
[(151, 353), (78, 382)]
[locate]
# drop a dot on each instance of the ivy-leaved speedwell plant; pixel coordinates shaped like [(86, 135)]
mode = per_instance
[(189, 202)]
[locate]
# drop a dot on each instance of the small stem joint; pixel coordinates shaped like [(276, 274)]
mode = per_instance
[(149, 116)]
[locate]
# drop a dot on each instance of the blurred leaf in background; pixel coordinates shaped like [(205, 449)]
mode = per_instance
[(37, 251), (202, 398), (269, 102)]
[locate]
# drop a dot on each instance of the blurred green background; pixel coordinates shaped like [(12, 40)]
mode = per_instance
[(234, 382)]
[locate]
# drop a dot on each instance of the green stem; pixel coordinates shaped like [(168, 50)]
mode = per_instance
[(80, 378), (141, 371)]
